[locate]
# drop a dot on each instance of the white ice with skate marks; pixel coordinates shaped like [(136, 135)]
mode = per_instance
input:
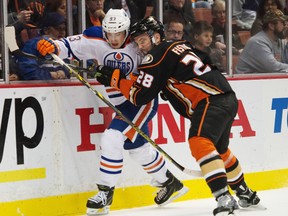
[(276, 202)]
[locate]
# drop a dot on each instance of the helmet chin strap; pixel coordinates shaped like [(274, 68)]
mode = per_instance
[(153, 40), (152, 37), (126, 37)]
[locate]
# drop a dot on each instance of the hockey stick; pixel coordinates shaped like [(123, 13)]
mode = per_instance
[(11, 42), (128, 121)]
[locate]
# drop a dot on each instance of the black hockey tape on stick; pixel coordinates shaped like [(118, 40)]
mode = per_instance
[(11, 42)]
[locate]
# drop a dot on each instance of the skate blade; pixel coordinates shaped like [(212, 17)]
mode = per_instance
[(175, 196), (101, 211), (259, 207), (226, 214)]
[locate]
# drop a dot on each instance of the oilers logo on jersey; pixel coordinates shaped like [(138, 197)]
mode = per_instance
[(119, 60)]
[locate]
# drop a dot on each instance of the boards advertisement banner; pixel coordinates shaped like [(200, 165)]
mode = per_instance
[(49, 137)]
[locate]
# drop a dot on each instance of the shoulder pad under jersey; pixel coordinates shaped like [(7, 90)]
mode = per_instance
[(94, 31)]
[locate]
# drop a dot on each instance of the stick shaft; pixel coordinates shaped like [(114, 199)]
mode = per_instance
[(128, 121), (11, 42)]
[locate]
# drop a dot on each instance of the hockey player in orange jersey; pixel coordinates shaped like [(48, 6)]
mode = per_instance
[(197, 91)]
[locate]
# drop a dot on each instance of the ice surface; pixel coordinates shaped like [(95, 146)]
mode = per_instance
[(276, 202)]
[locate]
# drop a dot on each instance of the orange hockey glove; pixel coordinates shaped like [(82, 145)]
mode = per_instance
[(47, 46)]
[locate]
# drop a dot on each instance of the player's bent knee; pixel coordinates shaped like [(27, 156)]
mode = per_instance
[(112, 140), (143, 154), (200, 147)]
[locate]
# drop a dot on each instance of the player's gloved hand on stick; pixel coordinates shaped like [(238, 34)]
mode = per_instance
[(109, 76), (47, 46)]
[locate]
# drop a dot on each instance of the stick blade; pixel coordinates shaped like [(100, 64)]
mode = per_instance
[(10, 38)]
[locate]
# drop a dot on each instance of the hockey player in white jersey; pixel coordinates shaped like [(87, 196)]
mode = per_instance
[(117, 51)]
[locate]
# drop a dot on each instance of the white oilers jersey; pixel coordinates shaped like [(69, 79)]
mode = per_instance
[(82, 47)]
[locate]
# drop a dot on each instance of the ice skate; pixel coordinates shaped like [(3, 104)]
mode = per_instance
[(170, 190), (100, 203), (226, 205), (247, 197)]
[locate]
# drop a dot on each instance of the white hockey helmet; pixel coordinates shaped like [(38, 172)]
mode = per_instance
[(116, 20)]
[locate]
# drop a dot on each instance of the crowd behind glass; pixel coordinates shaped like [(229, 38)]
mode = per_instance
[(203, 23)]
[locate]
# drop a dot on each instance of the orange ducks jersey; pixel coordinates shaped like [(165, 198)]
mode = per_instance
[(182, 73)]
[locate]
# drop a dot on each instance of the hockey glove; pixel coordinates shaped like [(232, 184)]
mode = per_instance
[(109, 76), (47, 46), (163, 96)]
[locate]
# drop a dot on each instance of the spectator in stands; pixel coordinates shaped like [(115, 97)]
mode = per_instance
[(53, 26), (150, 7), (202, 35), (219, 25), (36, 6), (94, 12), (203, 4), (174, 29), (285, 6), (284, 45), (19, 19), (56, 6), (262, 53), (244, 12), (183, 10), (25, 16), (264, 6), (135, 9)]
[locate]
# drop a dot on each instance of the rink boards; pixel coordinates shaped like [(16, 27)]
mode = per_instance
[(49, 146)]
